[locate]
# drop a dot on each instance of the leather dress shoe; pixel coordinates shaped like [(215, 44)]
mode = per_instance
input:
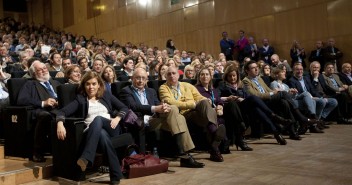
[(281, 140), (38, 158), (295, 136), (216, 156), (190, 162), (314, 129), (280, 120)]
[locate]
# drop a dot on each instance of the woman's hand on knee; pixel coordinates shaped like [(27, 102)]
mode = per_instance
[(114, 122), (61, 130)]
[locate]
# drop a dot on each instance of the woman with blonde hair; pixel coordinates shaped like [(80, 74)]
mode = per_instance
[(189, 72)]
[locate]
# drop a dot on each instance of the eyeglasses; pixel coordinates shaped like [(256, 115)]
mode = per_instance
[(140, 78)]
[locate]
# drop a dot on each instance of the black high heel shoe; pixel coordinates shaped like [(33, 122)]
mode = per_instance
[(280, 139), (239, 142)]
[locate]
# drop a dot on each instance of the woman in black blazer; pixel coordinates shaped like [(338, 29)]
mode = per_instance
[(102, 113)]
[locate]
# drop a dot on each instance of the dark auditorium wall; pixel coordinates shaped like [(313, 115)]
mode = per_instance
[(197, 24)]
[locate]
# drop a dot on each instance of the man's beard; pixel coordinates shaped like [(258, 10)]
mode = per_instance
[(44, 78)]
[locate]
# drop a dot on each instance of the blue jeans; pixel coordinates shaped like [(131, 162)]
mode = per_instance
[(99, 134), (325, 107), (306, 102)]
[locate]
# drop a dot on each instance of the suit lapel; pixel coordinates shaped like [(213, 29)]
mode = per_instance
[(134, 95), (42, 91)]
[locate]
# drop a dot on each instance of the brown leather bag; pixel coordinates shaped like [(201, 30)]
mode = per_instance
[(142, 165)]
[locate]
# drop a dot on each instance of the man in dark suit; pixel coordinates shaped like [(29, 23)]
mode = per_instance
[(41, 94), (345, 74), (144, 102), (128, 66), (303, 84), (324, 91), (333, 54), (318, 53), (341, 90), (266, 51)]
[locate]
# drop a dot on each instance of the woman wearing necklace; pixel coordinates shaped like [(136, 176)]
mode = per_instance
[(233, 119), (232, 91)]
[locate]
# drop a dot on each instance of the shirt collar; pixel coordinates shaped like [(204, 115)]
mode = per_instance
[(137, 89)]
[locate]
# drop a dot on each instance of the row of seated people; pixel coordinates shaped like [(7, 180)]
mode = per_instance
[(198, 107)]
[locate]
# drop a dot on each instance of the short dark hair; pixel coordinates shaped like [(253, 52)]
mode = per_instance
[(246, 65)]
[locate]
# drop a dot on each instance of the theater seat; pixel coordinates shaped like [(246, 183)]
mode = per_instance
[(18, 132), (65, 153)]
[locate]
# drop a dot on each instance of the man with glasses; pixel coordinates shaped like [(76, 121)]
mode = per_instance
[(41, 94), (159, 115)]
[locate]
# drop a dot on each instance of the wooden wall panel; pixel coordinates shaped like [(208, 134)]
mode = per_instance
[(68, 13), (301, 24), (57, 14), (339, 17), (105, 22), (197, 24), (80, 11)]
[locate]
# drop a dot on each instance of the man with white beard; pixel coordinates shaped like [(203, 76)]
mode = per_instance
[(41, 94)]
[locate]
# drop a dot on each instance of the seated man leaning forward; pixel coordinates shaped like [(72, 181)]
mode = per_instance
[(195, 108), (144, 102)]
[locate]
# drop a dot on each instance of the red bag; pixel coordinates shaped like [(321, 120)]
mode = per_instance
[(142, 165)]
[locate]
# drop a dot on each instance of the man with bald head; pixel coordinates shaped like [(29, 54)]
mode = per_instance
[(195, 108), (159, 115), (40, 93), (275, 61)]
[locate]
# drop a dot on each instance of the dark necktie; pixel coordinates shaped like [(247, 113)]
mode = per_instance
[(47, 85)]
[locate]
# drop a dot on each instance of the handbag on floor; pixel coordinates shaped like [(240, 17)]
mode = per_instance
[(142, 165)]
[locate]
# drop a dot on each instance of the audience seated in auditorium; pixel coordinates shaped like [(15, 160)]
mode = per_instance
[(325, 93), (251, 107), (342, 96), (195, 108), (323, 106), (145, 103)]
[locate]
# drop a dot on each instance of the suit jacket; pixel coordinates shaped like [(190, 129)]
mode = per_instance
[(81, 104), (123, 76), (330, 57), (293, 82), (326, 90), (320, 58), (33, 93), (249, 53), (130, 98), (330, 84), (265, 55), (185, 101), (226, 90), (253, 89), (344, 79)]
